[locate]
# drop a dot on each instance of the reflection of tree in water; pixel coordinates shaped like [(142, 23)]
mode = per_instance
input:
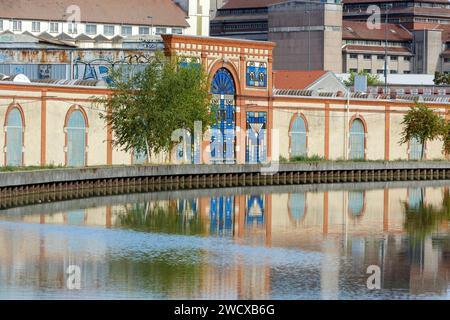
[(171, 217), (422, 220), (168, 274)]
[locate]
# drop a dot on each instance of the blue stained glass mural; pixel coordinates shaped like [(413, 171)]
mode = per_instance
[(254, 212), (223, 132), (223, 83), (14, 138), (256, 146), (76, 140), (221, 215), (256, 74)]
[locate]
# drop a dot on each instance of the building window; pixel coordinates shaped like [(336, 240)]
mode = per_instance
[(380, 71), (161, 30), (393, 71), (144, 30), (406, 72), (126, 31), (352, 70), (177, 31), (447, 60), (367, 57), (76, 139), (353, 56), (1, 25), (108, 30), (17, 25), (72, 28), (298, 138), (407, 58), (415, 149), (36, 26), (357, 140), (380, 57), (14, 138), (394, 58), (91, 29), (54, 27), (367, 70)]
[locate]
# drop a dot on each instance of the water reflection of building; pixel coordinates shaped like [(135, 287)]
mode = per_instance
[(366, 227)]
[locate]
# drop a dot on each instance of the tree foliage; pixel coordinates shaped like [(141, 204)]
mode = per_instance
[(372, 80), (423, 124), (441, 78), (146, 107)]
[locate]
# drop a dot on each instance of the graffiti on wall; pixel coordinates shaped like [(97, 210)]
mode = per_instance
[(99, 68)]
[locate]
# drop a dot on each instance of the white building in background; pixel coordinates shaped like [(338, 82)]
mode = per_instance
[(104, 22), (198, 15)]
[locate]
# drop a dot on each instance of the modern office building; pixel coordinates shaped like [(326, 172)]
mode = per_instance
[(417, 35)]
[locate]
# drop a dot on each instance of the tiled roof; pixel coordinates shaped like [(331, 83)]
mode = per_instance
[(164, 12), (376, 49), (239, 4), (355, 30), (378, 1), (296, 80)]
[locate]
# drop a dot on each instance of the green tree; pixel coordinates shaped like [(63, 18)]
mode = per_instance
[(423, 124), (146, 107), (372, 80), (446, 137), (441, 78)]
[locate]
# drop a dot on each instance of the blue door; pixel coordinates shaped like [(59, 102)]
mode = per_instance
[(357, 140), (223, 132), (14, 140), (356, 203), (298, 138), (76, 140)]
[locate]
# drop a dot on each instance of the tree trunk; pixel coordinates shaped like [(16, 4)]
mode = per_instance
[(147, 146), (422, 153)]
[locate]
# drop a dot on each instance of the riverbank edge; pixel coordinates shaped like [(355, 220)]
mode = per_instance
[(68, 175)]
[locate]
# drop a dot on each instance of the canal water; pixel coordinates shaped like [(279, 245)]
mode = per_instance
[(349, 241)]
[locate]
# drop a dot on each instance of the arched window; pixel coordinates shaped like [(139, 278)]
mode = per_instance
[(357, 140), (139, 157), (223, 90), (76, 139), (297, 206), (415, 149), (415, 198), (298, 138), (356, 203), (14, 138)]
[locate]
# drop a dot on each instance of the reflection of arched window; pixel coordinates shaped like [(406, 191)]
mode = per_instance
[(415, 149), (415, 198), (297, 206), (357, 140), (14, 138), (76, 139), (356, 203), (139, 157), (298, 137)]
